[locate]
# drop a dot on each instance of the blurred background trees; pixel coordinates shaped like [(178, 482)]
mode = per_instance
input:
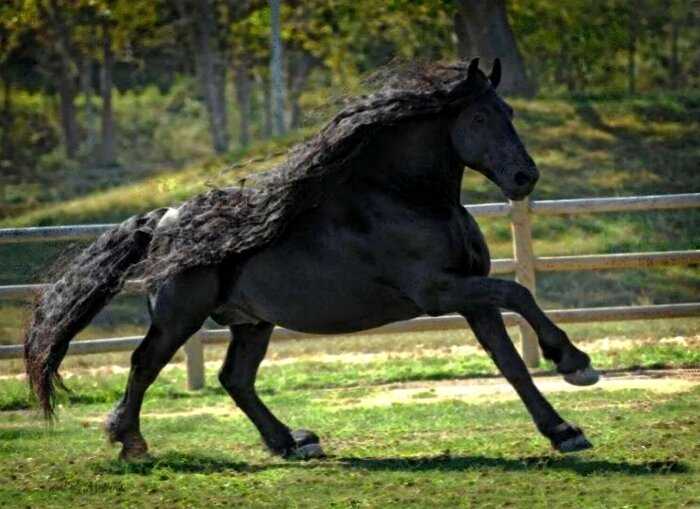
[(139, 83)]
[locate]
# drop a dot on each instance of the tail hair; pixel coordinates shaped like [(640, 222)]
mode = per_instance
[(67, 306)]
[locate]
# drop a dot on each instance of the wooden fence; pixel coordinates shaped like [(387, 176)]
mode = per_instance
[(525, 264)]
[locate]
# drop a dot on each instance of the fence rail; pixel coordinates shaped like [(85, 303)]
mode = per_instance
[(525, 264)]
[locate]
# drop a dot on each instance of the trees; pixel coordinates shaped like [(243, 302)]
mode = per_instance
[(55, 22), (9, 33), (202, 24), (483, 29), (79, 52), (276, 72)]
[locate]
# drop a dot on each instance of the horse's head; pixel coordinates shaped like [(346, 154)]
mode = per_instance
[(485, 139)]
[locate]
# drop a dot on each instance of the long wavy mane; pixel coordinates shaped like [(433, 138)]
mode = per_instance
[(228, 221)]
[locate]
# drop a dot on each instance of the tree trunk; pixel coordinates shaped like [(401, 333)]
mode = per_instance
[(69, 124), (88, 112), (465, 46), (209, 64), (107, 145), (242, 83), (675, 67), (7, 117), (267, 106), (632, 57), (301, 65), (65, 71), (483, 30), (212, 73), (276, 72)]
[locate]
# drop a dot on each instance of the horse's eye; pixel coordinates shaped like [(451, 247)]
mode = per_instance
[(479, 118)]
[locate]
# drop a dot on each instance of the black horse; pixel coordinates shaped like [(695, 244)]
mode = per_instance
[(362, 227)]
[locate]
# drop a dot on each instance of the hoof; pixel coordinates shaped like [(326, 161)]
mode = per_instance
[(134, 448), (582, 377), (579, 443), (306, 445), (134, 457), (567, 438), (306, 452)]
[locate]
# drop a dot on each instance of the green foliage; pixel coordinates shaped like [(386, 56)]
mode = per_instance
[(578, 45), (585, 44)]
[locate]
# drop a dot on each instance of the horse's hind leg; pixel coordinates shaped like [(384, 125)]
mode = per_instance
[(180, 309), (245, 353), (489, 329)]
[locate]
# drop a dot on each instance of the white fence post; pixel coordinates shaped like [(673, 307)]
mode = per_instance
[(524, 273), (194, 350)]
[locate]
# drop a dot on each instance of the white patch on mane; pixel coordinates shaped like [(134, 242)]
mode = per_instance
[(169, 218)]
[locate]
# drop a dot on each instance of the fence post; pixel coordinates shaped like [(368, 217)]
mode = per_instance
[(524, 273), (194, 350)]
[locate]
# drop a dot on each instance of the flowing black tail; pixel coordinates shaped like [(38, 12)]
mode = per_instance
[(86, 286)]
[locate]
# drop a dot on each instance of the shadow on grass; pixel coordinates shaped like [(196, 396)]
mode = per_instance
[(189, 464), (459, 463)]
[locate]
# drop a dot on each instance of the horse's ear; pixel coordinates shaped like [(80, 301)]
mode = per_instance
[(473, 69), (495, 76)]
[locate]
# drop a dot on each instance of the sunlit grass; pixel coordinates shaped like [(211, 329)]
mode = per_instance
[(417, 453)]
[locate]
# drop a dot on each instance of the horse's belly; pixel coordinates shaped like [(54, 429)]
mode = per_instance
[(313, 292)]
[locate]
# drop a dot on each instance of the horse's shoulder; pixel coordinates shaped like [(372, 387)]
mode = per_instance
[(476, 252)]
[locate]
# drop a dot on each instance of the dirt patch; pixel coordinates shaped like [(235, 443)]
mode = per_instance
[(415, 351), (497, 389)]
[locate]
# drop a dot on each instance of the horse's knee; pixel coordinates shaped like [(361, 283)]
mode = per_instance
[(236, 386), (516, 295)]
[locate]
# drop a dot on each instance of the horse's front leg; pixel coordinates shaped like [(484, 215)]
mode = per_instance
[(489, 329), (571, 362)]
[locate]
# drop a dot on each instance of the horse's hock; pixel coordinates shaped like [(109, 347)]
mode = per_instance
[(525, 264)]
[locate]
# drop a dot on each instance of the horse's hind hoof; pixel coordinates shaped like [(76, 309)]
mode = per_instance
[(567, 438), (307, 445), (583, 377)]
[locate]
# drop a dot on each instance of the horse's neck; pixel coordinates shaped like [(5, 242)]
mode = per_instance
[(415, 159)]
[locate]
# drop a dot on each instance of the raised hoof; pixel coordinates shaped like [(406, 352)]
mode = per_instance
[(567, 438), (307, 445), (583, 377)]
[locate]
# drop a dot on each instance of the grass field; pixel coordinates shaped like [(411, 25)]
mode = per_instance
[(396, 432)]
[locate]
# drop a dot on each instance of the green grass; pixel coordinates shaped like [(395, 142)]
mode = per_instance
[(417, 358), (420, 453)]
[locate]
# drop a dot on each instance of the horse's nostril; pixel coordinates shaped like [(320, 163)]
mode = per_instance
[(522, 178)]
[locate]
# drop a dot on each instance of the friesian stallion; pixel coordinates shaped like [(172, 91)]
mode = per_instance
[(359, 227)]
